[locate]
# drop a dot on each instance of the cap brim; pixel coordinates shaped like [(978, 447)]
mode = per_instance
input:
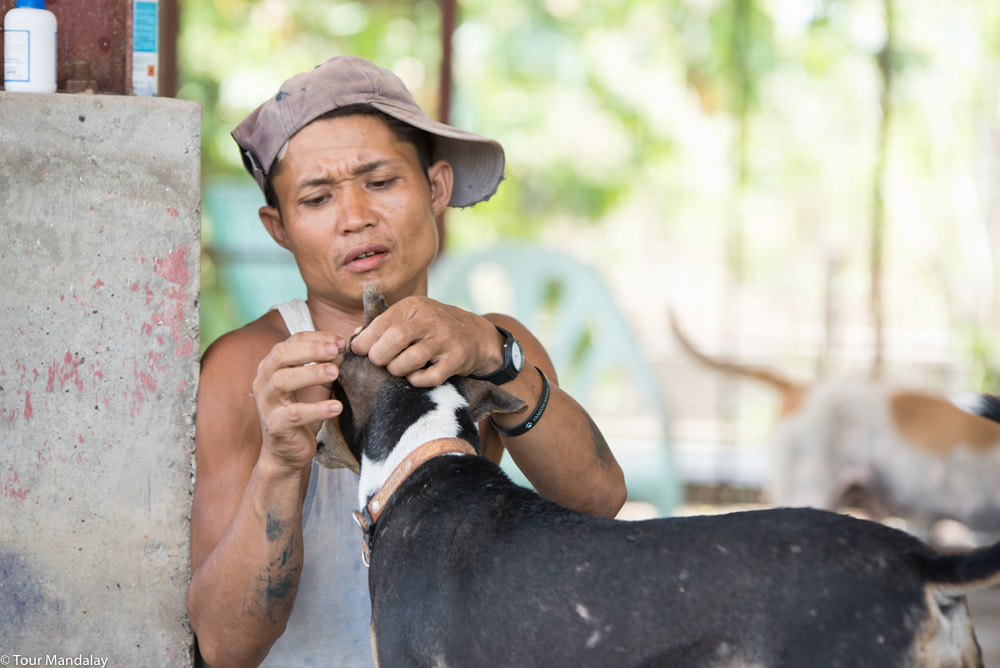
[(477, 162)]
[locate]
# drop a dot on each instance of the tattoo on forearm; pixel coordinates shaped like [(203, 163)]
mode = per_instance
[(280, 579), (601, 448), (275, 528)]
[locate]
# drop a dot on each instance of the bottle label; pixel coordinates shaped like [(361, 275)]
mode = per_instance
[(16, 48), (144, 56)]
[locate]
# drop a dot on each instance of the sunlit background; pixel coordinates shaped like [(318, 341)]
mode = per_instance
[(810, 185)]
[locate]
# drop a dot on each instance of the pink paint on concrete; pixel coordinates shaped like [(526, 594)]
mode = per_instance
[(67, 370), (173, 268), (97, 372), (73, 362), (147, 381), (12, 488), (154, 361)]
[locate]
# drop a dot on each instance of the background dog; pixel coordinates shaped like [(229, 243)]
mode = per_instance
[(469, 569), (888, 451)]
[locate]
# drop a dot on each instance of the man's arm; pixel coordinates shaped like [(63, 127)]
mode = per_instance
[(565, 456), (246, 516)]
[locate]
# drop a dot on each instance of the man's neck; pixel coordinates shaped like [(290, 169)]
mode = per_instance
[(329, 318)]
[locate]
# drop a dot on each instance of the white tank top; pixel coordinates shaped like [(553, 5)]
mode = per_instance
[(329, 624)]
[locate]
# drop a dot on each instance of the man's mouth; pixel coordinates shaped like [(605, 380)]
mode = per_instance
[(366, 258)]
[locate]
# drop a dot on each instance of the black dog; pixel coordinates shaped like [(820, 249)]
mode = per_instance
[(469, 569)]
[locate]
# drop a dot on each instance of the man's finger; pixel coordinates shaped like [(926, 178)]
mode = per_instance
[(395, 340), (398, 314), (413, 358), (362, 342), (292, 379), (298, 351)]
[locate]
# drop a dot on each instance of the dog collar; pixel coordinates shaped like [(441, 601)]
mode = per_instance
[(368, 516)]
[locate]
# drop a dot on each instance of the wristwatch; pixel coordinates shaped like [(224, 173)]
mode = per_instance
[(513, 360)]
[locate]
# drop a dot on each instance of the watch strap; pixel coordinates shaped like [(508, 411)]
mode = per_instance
[(507, 372)]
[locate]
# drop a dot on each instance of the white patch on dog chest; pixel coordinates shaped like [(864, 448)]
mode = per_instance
[(437, 423)]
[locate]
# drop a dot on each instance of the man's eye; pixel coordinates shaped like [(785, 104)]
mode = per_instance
[(382, 183), (316, 201)]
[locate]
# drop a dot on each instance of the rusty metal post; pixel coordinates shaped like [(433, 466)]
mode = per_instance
[(169, 27), (448, 12)]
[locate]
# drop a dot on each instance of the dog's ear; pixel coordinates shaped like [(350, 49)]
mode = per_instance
[(374, 303), (486, 398), (334, 453)]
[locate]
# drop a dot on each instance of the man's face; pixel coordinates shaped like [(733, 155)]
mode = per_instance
[(355, 208)]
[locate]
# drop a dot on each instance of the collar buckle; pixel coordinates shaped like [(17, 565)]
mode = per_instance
[(364, 521)]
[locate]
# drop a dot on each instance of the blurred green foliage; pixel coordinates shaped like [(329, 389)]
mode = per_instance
[(750, 126)]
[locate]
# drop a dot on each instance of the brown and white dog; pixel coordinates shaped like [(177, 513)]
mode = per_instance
[(468, 569), (888, 451)]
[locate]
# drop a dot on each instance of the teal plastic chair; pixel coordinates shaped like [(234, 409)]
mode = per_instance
[(257, 272), (572, 312)]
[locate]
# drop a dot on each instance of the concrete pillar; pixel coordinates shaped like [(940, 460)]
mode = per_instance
[(99, 268)]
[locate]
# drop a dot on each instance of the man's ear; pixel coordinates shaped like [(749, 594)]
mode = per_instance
[(271, 218), (442, 180)]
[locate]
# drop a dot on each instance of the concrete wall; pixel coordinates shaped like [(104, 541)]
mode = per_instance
[(99, 268)]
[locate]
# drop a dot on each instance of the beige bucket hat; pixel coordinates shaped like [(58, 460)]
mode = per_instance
[(478, 162)]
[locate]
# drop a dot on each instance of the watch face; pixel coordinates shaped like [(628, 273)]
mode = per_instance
[(517, 356)]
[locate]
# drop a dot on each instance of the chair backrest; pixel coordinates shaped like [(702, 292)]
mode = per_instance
[(569, 307)]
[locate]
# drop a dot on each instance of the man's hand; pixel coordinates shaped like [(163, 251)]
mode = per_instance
[(428, 342), (293, 396)]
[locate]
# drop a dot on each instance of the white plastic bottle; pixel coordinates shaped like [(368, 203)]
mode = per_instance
[(29, 48)]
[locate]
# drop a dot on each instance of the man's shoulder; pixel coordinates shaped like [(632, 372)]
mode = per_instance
[(511, 324), (534, 350), (505, 321), (252, 341)]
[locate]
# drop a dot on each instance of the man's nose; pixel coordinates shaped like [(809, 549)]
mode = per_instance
[(355, 210)]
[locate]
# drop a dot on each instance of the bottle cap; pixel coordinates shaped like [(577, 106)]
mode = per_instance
[(31, 4)]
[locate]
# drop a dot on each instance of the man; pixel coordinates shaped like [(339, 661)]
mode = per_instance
[(354, 173)]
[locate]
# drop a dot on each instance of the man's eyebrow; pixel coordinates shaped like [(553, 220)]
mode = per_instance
[(360, 169)]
